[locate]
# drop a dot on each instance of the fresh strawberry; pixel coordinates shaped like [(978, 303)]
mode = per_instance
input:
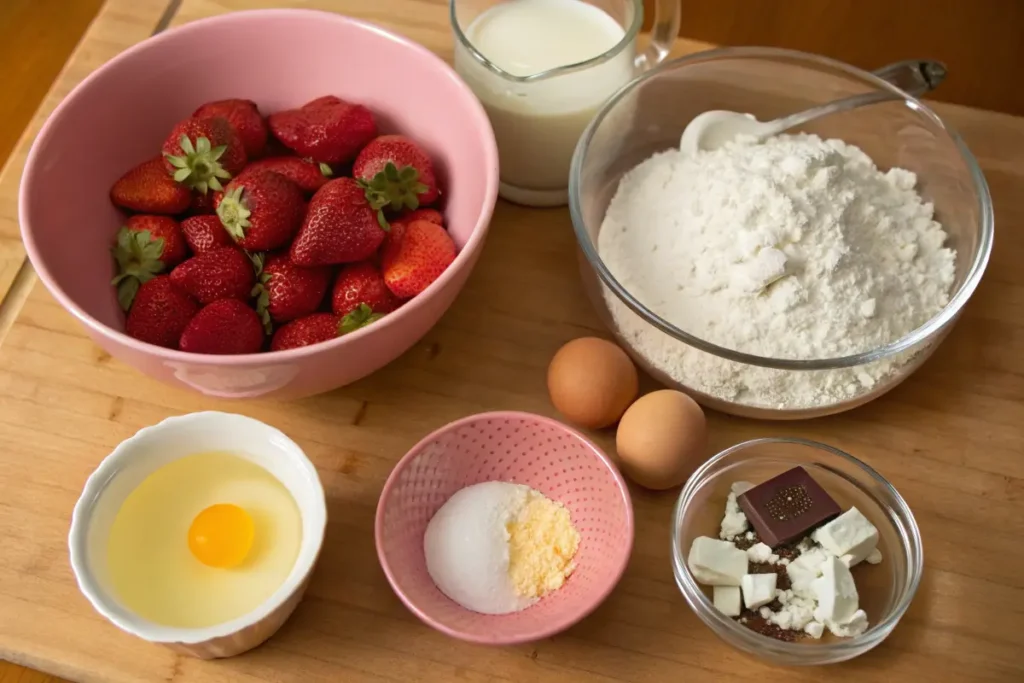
[(328, 130), (417, 258), (221, 273), (308, 175), (340, 227), (226, 326), (398, 229), (148, 189), (246, 119), (204, 204), (430, 215), (312, 329), (202, 152), (286, 291), (145, 246), (162, 227), (261, 210), (160, 313), (204, 233), (397, 173), (361, 284)]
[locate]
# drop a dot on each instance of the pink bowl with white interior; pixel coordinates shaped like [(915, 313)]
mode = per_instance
[(119, 116), (525, 449)]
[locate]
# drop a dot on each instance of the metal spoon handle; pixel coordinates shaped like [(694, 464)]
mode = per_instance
[(914, 76)]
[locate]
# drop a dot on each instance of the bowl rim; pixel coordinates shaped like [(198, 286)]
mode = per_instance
[(551, 628), (910, 543), (463, 258), (124, 618), (923, 332)]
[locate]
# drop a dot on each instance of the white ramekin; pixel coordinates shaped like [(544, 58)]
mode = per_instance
[(153, 447)]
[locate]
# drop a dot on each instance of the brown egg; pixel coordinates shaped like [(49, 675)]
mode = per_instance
[(662, 439), (591, 382)]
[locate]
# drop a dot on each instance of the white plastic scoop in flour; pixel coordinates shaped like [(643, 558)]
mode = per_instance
[(713, 129)]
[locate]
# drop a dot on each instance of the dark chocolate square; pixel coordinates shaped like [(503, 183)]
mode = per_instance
[(788, 507)]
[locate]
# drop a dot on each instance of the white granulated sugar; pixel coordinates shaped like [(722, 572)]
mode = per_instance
[(795, 247)]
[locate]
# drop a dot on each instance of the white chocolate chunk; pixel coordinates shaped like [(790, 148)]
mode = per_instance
[(716, 563), (836, 592), (805, 569), (848, 534), (760, 552), (758, 589), (727, 600), (854, 625), (814, 629)]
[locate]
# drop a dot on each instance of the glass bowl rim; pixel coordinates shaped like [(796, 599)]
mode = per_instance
[(948, 313), (832, 651)]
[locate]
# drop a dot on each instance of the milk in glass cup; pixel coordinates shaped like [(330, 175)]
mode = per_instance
[(542, 68)]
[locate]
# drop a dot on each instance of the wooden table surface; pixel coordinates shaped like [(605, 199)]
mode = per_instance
[(950, 439)]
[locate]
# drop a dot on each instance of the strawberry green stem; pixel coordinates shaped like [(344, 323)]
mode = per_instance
[(137, 255), (233, 213), (198, 167), (260, 292), (361, 316), (394, 189)]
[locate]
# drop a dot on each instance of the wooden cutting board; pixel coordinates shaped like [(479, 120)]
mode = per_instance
[(951, 439)]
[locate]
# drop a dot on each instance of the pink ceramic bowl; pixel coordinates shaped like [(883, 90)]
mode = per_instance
[(525, 449), (119, 115)]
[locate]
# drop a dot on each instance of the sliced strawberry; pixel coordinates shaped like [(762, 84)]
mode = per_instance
[(148, 188)]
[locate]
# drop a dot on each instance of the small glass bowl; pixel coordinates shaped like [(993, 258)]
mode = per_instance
[(885, 589), (649, 114)]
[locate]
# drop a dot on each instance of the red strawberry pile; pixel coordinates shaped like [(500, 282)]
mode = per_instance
[(252, 233)]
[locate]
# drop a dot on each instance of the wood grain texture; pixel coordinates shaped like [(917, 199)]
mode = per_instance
[(36, 37), (949, 438), (979, 40), (12, 673), (119, 25)]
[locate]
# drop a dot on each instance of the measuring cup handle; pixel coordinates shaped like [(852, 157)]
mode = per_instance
[(667, 15)]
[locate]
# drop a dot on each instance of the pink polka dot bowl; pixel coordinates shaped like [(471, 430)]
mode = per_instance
[(525, 449)]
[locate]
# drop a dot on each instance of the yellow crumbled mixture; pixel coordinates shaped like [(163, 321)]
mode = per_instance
[(542, 544)]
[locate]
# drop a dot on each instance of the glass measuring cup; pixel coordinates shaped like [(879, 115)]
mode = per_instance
[(538, 116)]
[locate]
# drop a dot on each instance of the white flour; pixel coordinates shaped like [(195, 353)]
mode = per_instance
[(793, 248)]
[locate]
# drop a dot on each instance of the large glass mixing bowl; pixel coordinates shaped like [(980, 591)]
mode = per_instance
[(649, 115)]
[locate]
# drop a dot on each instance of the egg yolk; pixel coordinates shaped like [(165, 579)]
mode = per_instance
[(221, 535)]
